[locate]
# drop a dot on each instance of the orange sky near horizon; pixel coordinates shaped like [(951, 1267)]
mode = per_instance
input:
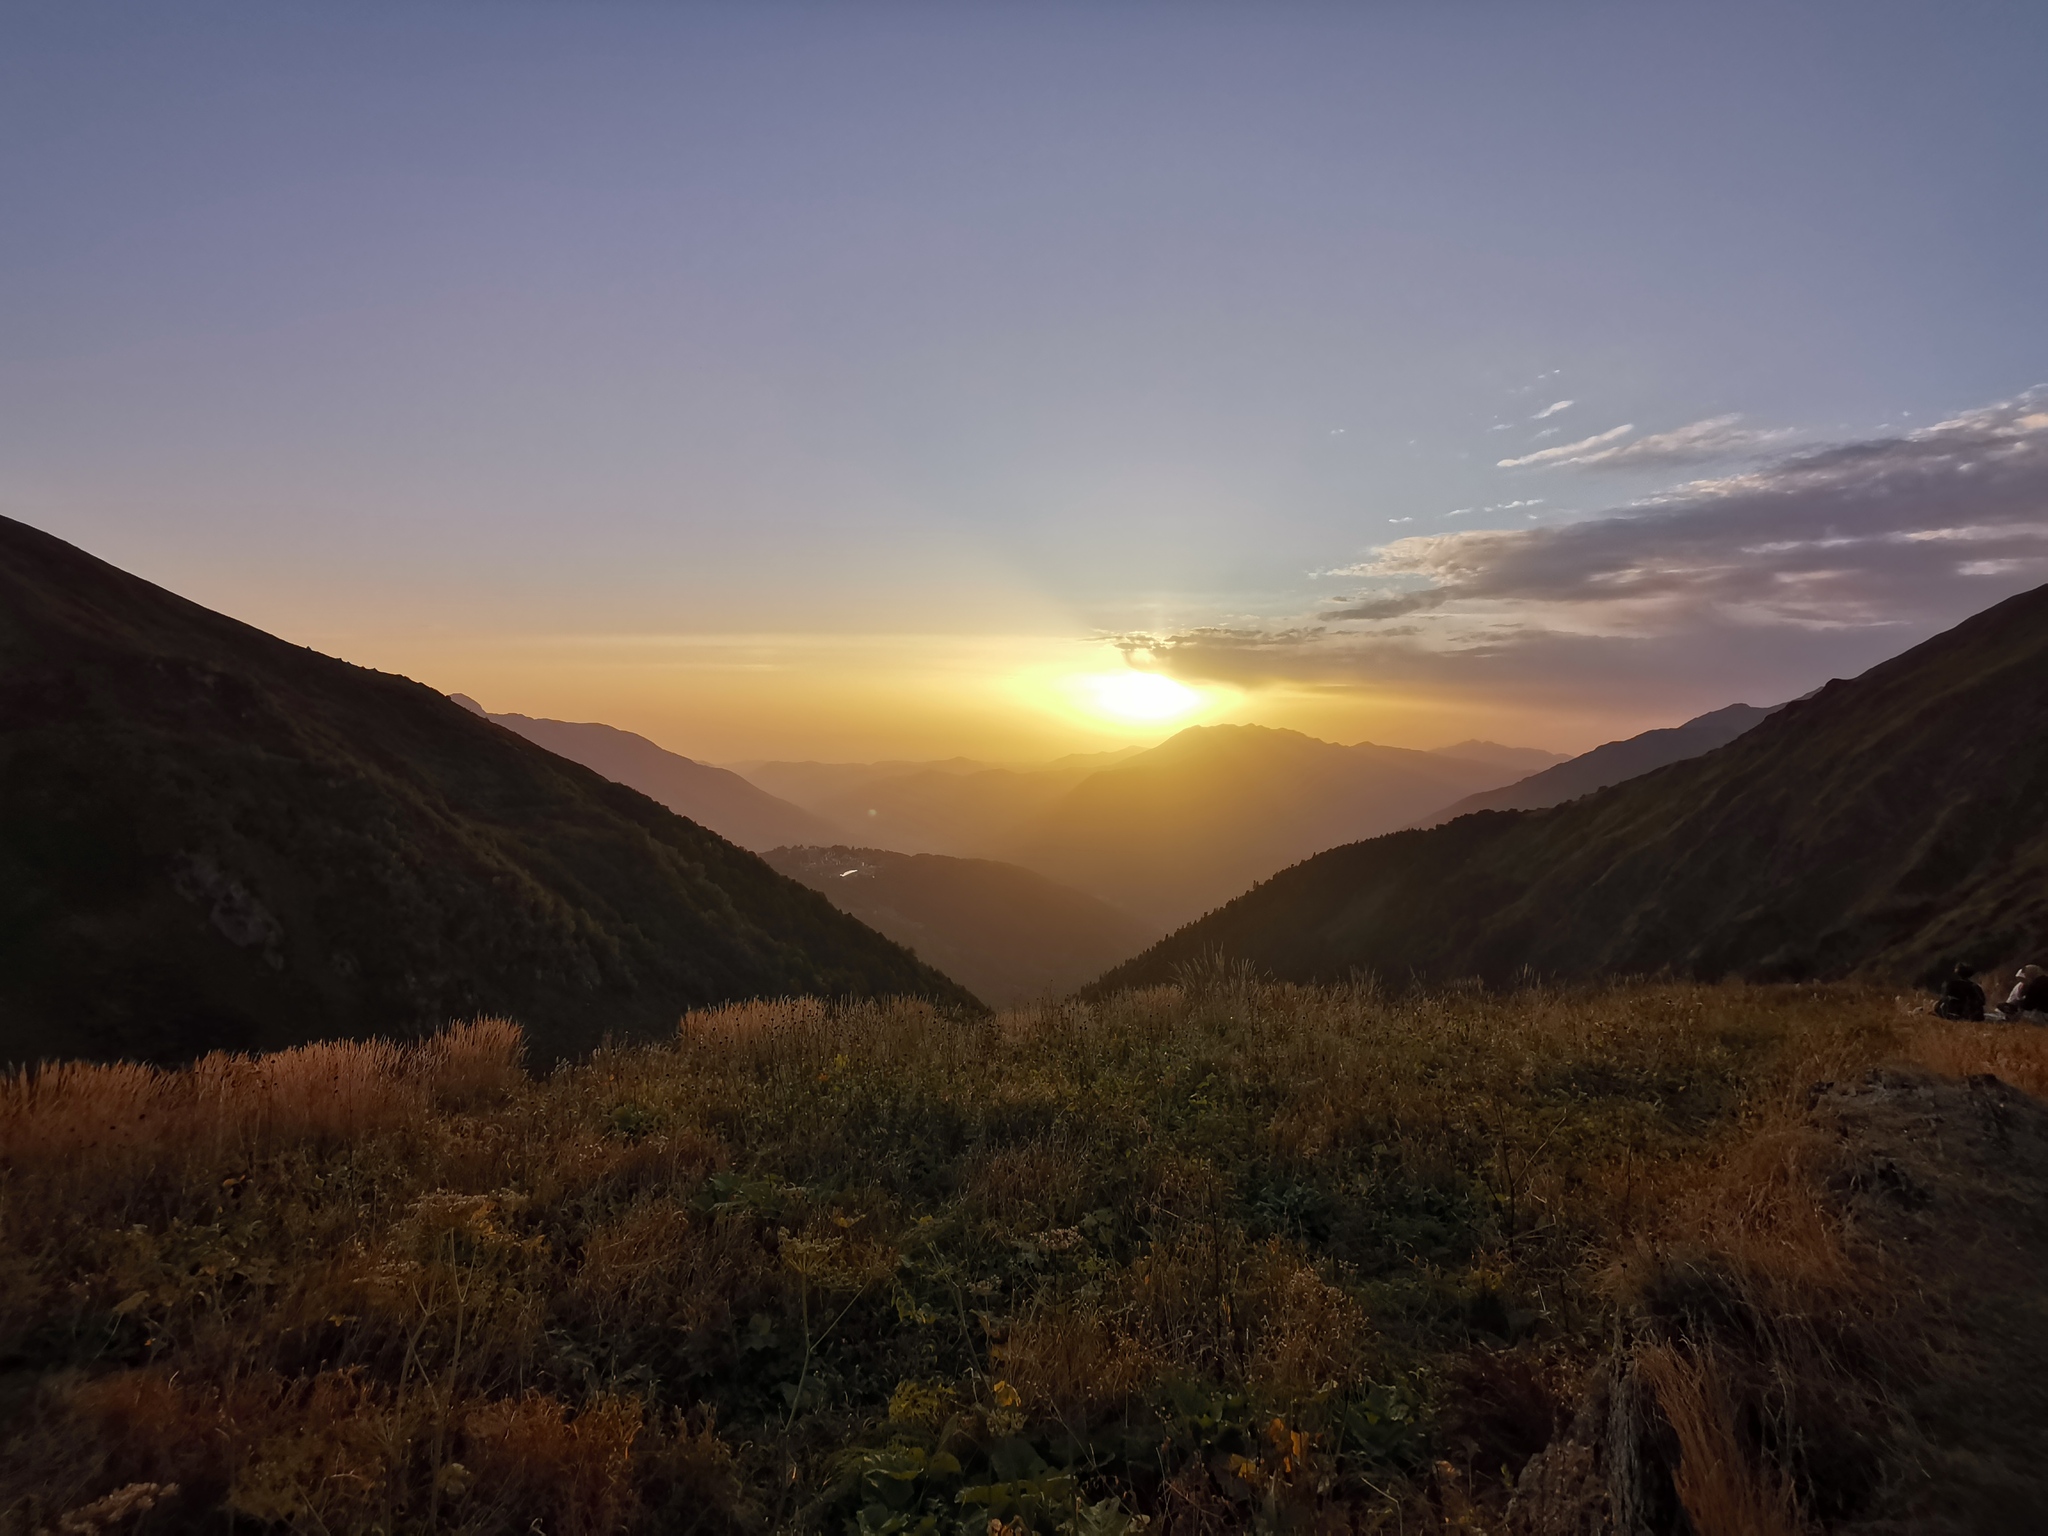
[(837, 697), (814, 382)]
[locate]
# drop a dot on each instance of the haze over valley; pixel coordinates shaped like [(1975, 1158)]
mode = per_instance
[(905, 770)]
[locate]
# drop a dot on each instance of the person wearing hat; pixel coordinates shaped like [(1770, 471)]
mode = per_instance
[(2029, 996), (1961, 998)]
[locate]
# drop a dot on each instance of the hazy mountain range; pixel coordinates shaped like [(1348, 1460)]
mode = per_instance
[(712, 797), (210, 837), (1891, 825), (956, 806), (1009, 935), (1163, 833), (1123, 844), (1516, 760), (1172, 832)]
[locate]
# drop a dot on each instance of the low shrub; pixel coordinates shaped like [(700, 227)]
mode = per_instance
[(1216, 1256)]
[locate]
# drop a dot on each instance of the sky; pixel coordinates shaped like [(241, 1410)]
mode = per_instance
[(861, 381)]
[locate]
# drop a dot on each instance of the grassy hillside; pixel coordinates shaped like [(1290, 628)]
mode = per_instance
[(1008, 935), (1224, 1256), (209, 837), (1889, 825)]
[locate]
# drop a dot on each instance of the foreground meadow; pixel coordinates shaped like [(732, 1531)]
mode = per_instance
[(1216, 1256)]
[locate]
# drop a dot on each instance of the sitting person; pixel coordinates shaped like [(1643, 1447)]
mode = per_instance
[(1961, 998), (2029, 996)]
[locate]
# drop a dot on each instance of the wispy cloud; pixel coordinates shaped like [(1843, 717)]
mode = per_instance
[(1219, 639), (1568, 453), (1501, 506), (1820, 563), (1718, 437), (1553, 408), (1835, 536)]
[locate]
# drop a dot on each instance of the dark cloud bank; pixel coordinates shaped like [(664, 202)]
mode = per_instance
[(1762, 583)]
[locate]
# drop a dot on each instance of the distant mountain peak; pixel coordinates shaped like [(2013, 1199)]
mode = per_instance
[(1245, 729)]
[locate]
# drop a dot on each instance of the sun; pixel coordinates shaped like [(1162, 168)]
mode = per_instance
[(1139, 696)]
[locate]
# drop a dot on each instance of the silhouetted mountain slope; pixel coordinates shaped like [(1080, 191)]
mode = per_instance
[(712, 797), (1885, 825), (1174, 831), (1010, 935), (1611, 763), (209, 837)]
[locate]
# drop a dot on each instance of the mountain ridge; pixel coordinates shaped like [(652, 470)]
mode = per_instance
[(210, 837), (1611, 762), (1175, 830), (1886, 826), (718, 798)]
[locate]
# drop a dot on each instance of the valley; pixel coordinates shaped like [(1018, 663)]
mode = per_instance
[(1023, 770), (628, 1177), (1010, 936)]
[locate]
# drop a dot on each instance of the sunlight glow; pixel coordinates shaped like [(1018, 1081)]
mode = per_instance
[(1139, 696)]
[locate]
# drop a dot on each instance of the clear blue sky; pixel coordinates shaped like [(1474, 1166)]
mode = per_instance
[(401, 328)]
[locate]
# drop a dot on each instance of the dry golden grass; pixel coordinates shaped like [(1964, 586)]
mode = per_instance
[(2018, 1054), (1724, 1488), (1227, 1254), (105, 1117)]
